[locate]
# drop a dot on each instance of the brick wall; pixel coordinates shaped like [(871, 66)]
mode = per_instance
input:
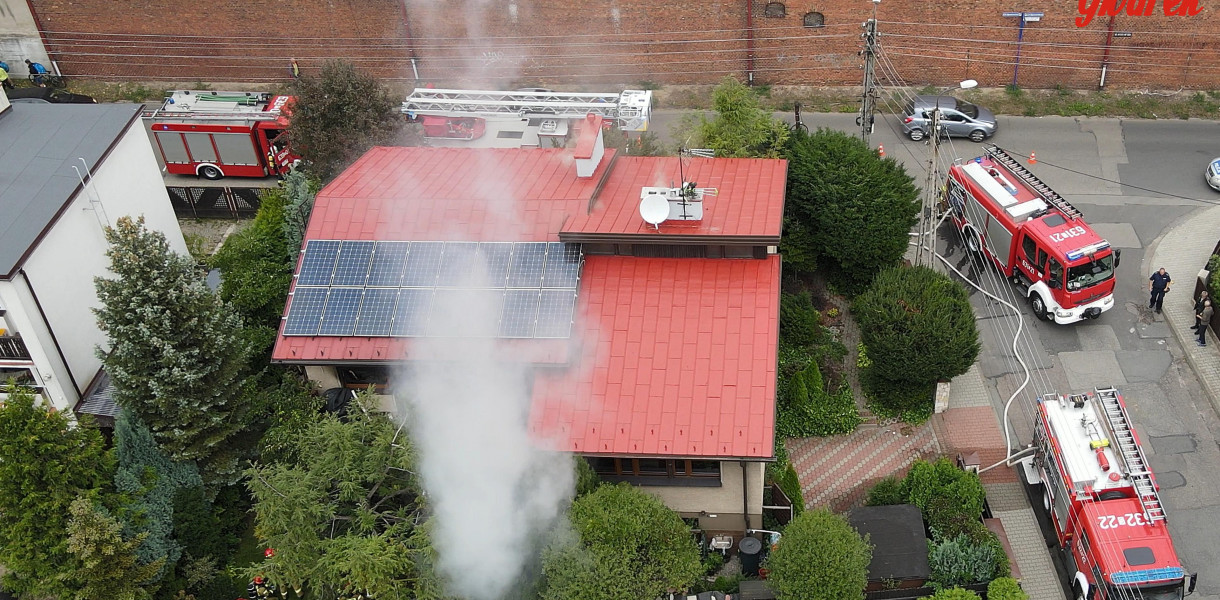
[(501, 43)]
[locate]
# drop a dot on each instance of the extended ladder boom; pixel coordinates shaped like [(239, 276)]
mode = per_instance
[(1002, 157), (632, 107), (1131, 454)]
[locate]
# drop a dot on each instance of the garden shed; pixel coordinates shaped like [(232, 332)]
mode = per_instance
[(900, 548)]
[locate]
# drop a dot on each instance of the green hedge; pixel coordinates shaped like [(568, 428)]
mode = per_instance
[(1005, 588)]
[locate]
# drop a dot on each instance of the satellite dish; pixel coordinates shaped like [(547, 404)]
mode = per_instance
[(654, 209)]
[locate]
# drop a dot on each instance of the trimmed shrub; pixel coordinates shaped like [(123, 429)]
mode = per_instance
[(799, 322), (886, 492), (1005, 588), (960, 562), (956, 594), (919, 328), (819, 557), (786, 478), (942, 479), (807, 410)]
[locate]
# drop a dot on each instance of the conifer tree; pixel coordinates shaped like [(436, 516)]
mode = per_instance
[(109, 566), (175, 359), (45, 464)]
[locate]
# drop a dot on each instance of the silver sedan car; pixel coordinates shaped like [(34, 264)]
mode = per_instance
[(958, 118)]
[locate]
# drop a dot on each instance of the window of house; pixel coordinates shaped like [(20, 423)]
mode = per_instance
[(657, 471), (814, 19), (22, 377), (775, 10)]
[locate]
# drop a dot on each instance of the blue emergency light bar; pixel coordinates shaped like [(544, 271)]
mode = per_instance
[(1147, 575), (1090, 249)]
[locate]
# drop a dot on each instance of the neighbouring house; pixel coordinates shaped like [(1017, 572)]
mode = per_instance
[(66, 172), (652, 347)]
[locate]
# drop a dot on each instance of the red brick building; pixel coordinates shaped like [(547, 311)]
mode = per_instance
[(649, 350), (610, 43)]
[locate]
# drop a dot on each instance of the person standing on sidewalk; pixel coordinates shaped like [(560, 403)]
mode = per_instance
[(1199, 308), (1205, 318), (1158, 285)]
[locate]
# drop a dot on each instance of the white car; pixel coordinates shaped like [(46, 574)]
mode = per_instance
[(1212, 174)]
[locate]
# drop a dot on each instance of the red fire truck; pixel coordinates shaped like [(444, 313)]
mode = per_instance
[(1102, 500), (219, 134), (1034, 236)]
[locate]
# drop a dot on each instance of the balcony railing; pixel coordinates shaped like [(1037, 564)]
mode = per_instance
[(13, 348)]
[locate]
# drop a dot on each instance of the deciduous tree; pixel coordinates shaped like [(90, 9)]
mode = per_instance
[(740, 128), (819, 557), (629, 546), (338, 115), (46, 463), (847, 209), (175, 359)]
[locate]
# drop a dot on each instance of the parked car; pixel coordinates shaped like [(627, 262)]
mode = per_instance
[(1212, 174), (41, 95), (958, 118)]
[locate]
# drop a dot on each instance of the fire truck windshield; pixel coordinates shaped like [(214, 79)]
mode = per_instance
[(1090, 273)]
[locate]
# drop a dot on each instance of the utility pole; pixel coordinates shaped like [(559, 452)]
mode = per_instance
[(931, 189), (869, 101)]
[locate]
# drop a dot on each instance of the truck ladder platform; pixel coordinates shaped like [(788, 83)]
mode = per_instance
[(1132, 455), (1001, 156)]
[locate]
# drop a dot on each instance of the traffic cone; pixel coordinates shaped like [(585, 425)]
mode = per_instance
[(1033, 158), (881, 150)]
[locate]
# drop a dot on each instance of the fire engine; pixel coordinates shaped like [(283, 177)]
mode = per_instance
[(1102, 500), (1034, 236), (463, 114), (219, 134)]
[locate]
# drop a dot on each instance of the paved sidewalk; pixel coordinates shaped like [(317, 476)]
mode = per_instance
[(1183, 250)]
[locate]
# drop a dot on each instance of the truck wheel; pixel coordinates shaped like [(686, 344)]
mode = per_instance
[(210, 172), (1039, 307), (978, 135), (973, 242)]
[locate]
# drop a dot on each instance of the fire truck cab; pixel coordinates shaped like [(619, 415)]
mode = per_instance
[(1039, 240), (223, 134), (1102, 500)]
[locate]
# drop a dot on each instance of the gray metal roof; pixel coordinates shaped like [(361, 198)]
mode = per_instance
[(41, 144), (99, 401)]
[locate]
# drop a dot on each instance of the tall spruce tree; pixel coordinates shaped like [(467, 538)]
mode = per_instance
[(45, 464), (175, 359)]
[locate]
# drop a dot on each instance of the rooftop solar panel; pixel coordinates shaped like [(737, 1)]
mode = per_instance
[(319, 262), (389, 259), (412, 289), (342, 307), (305, 311), (352, 268)]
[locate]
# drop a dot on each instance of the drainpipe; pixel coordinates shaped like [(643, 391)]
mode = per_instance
[(745, 494), (406, 23), (749, 42), (1105, 58)]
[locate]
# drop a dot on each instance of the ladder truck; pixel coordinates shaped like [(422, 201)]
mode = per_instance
[(1102, 500), (1035, 236), (463, 114), (223, 134)]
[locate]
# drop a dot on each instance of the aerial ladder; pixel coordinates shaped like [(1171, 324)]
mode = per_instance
[(208, 105), (630, 108)]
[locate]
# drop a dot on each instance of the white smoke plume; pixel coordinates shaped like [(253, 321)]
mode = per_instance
[(493, 488)]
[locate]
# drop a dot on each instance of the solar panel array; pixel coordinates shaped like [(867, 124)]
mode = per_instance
[(418, 289)]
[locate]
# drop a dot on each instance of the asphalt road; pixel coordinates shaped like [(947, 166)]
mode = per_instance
[(1133, 180)]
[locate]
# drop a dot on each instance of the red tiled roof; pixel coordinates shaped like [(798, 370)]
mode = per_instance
[(678, 359), (498, 194), (749, 203)]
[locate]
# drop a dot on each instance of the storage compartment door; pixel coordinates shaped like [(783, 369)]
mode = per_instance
[(172, 148)]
